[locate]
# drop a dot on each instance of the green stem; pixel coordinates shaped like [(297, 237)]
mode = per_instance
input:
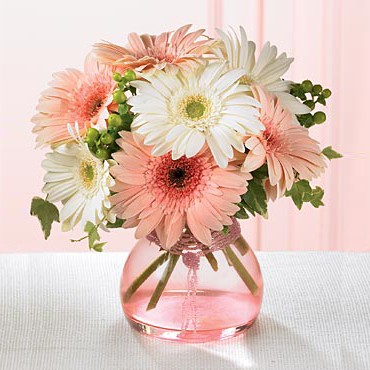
[(241, 245), (96, 227), (136, 284), (241, 270), (212, 260), (163, 282), (79, 240)]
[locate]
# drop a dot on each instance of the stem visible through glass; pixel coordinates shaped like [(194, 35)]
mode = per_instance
[(232, 259), (136, 284), (241, 270), (163, 282), (241, 245), (212, 260)]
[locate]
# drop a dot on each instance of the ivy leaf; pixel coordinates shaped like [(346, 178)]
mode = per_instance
[(92, 233), (255, 200), (98, 247), (241, 214), (115, 225), (315, 198), (261, 173), (298, 191), (93, 236), (330, 153), (301, 192), (46, 212)]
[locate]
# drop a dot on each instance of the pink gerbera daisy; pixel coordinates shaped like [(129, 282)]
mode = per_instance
[(74, 96), (147, 51), (284, 145), (165, 195)]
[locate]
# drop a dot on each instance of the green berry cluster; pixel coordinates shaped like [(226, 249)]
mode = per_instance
[(310, 95), (103, 143)]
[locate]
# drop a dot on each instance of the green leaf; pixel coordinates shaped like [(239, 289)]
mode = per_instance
[(242, 214), (92, 233), (46, 212), (261, 173), (330, 153), (98, 247), (315, 198), (93, 236), (115, 225), (298, 191), (301, 192), (255, 200)]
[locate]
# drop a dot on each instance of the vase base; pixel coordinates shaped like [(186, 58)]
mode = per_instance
[(188, 336), (210, 315)]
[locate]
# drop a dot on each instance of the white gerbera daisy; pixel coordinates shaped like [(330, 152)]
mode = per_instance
[(80, 181), (180, 112), (266, 72)]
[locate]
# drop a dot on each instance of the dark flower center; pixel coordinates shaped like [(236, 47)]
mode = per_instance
[(95, 106), (176, 177)]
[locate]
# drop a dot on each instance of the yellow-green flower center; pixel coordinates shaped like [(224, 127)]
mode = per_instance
[(194, 107), (88, 173), (246, 80)]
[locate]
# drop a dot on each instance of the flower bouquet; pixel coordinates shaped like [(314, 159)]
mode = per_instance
[(179, 136)]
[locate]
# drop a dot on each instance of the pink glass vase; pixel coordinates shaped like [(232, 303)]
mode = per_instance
[(193, 293)]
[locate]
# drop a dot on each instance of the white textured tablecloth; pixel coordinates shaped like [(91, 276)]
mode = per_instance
[(62, 311)]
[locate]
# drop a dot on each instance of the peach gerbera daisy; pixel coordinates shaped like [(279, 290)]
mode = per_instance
[(147, 51), (286, 147), (165, 195), (74, 96)]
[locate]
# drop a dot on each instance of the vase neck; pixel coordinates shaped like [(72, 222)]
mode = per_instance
[(188, 242)]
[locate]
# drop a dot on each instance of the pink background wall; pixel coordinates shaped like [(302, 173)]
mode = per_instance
[(329, 39)]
